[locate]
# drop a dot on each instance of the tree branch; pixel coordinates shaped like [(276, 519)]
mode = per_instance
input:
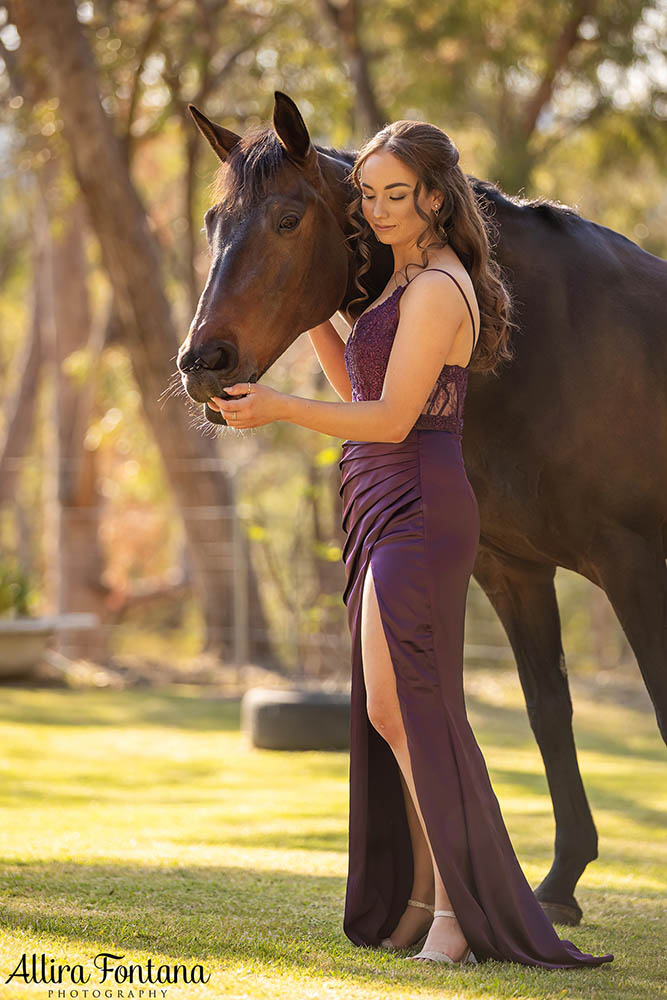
[(564, 45)]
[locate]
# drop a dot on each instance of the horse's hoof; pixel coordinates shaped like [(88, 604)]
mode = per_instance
[(562, 913)]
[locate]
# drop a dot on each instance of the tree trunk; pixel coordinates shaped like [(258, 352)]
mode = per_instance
[(345, 17), (20, 409), (131, 259), (77, 562)]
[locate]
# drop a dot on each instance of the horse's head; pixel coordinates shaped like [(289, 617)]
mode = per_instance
[(279, 260)]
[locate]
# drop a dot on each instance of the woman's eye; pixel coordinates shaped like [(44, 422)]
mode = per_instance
[(367, 197)]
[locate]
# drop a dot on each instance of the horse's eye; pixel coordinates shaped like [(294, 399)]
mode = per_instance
[(289, 222)]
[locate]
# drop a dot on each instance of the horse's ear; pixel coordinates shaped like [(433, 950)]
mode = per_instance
[(220, 138), (291, 129)]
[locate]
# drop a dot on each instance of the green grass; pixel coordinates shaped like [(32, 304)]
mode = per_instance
[(142, 823)]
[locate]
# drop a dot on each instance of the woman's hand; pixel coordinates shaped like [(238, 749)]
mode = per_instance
[(260, 406)]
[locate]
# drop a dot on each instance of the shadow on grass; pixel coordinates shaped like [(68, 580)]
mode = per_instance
[(272, 840), (186, 709), (600, 796), (509, 727), (284, 921)]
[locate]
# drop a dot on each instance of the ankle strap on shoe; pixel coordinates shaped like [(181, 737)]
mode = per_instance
[(416, 902), (444, 913)]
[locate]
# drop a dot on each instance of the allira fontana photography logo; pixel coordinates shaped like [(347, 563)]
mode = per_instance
[(109, 970)]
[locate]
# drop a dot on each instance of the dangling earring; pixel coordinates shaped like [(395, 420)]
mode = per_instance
[(437, 213)]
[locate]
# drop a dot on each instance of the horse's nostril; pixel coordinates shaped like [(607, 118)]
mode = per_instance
[(213, 356), (220, 355), (185, 360)]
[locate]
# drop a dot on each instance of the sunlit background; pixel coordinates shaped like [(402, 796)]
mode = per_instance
[(226, 562)]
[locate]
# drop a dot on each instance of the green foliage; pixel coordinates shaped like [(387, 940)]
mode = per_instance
[(15, 590)]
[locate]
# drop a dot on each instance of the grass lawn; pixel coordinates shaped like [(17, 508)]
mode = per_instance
[(142, 824)]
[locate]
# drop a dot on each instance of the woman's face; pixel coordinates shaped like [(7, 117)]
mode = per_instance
[(387, 199)]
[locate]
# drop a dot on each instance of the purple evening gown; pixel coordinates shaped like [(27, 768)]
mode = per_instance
[(410, 509)]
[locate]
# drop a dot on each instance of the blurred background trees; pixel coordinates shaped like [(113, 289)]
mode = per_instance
[(115, 496)]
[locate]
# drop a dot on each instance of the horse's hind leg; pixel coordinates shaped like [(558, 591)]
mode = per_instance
[(631, 569), (524, 598)]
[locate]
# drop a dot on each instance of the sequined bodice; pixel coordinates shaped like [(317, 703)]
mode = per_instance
[(366, 357)]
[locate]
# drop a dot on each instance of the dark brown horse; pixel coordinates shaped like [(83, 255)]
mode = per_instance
[(566, 450)]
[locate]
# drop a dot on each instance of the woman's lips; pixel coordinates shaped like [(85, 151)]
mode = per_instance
[(383, 227)]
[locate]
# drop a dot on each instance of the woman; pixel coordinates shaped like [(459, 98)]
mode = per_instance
[(430, 860)]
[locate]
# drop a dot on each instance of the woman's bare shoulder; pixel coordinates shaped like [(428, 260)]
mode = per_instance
[(454, 267), (451, 263)]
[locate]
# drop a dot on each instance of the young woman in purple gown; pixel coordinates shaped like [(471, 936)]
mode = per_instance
[(430, 860)]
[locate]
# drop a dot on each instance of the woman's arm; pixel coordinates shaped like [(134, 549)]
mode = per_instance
[(329, 348), (254, 405), (372, 420)]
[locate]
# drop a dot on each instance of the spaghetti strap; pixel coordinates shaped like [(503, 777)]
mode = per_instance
[(472, 318)]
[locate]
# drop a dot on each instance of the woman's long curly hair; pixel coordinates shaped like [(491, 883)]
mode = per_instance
[(462, 222)]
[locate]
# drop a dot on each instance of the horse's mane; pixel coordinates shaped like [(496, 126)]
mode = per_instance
[(554, 212)]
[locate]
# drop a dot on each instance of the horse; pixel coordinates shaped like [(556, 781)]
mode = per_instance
[(565, 449)]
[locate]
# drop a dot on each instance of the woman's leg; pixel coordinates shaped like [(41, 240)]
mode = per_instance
[(423, 886), (385, 716)]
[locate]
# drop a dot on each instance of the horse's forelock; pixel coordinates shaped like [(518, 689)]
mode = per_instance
[(252, 164), (254, 161)]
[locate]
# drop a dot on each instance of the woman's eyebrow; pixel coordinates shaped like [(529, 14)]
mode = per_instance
[(396, 184)]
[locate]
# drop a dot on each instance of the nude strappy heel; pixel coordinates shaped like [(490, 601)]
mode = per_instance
[(432, 955), (389, 944)]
